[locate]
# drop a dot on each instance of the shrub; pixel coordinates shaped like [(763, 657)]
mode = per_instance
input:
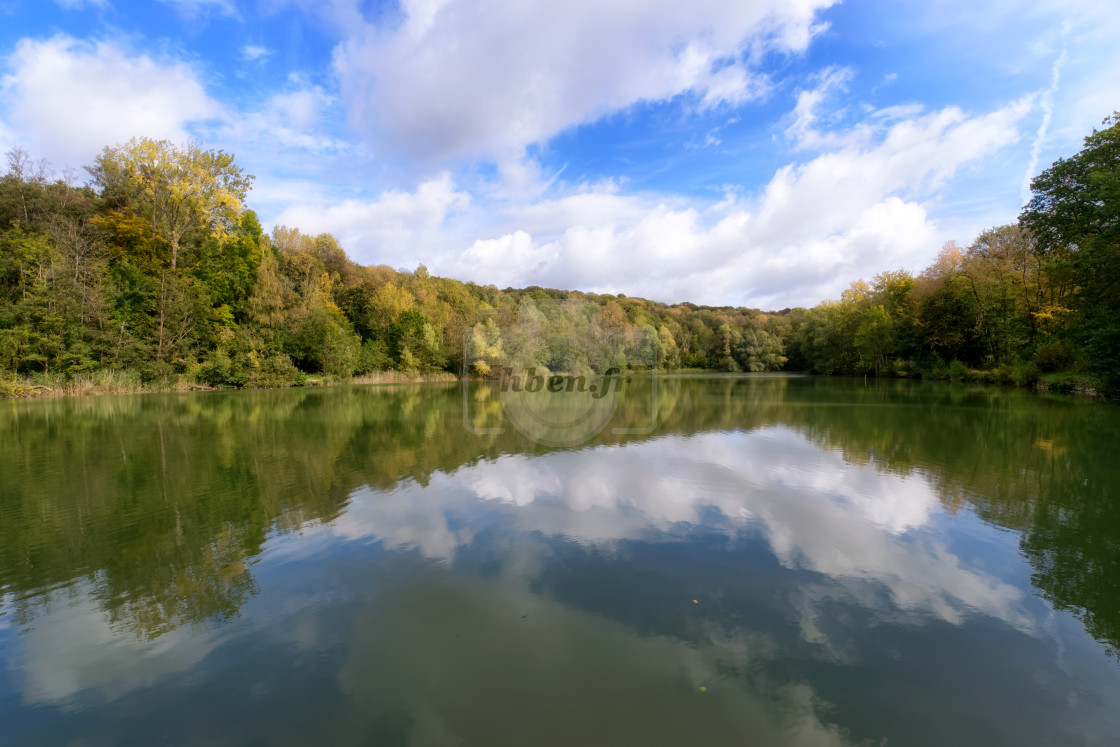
[(278, 370), (154, 372), (1056, 356), (215, 371), (933, 366), (958, 371), (12, 388), (1026, 374), (374, 356), (904, 369), (1005, 374)]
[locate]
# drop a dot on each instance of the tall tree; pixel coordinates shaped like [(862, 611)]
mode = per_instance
[(25, 173), (179, 188), (1076, 209)]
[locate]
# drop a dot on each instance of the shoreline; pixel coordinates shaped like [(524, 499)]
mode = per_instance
[(109, 383), (115, 383)]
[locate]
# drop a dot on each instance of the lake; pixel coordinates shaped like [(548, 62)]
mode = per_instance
[(729, 561)]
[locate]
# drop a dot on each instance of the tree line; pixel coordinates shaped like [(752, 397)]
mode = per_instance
[(1022, 300), (157, 272)]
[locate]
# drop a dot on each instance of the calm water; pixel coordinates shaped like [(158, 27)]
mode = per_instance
[(782, 561)]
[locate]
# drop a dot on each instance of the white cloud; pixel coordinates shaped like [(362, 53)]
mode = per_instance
[(852, 523), (289, 124), (255, 53), (197, 8), (1010, 38), (68, 99), (1084, 54), (1047, 106), (857, 209), (816, 226), (71, 659), (397, 228), (301, 109), (74, 649), (82, 4), (8, 138), (484, 80), (804, 130)]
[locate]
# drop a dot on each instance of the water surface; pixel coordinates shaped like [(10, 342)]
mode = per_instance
[(782, 561)]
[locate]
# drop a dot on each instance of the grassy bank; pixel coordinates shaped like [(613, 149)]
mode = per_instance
[(129, 382), (403, 377), (98, 382), (1069, 383)]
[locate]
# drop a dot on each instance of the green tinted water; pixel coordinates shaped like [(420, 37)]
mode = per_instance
[(781, 561)]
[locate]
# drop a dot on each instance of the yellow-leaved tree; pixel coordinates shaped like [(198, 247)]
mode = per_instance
[(177, 187)]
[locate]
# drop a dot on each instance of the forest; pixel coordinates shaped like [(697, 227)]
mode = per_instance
[(156, 275)]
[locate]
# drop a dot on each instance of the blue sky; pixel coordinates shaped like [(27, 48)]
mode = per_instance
[(758, 152)]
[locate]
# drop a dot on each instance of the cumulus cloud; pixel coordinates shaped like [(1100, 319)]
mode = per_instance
[(290, 123), (859, 206), (397, 228), (71, 659), (847, 212), (447, 83), (470, 80), (114, 94), (75, 650), (860, 528)]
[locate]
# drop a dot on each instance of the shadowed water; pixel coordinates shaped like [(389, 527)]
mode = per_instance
[(781, 561)]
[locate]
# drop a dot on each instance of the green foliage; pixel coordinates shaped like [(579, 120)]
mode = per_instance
[(165, 275), (130, 238), (218, 370), (1075, 215), (1050, 284), (320, 339), (374, 357), (484, 347), (1057, 355), (668, 352), (874, 339), (414, 344), (13, 387), (277, 370), (179, 188), (229, 268), (1026, 374), (758, 350)]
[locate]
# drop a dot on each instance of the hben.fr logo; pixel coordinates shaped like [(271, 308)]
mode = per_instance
[(557, 371)]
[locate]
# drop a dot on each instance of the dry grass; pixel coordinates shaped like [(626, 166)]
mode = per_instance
[(80, 385), (128, 382), (402, 377)]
